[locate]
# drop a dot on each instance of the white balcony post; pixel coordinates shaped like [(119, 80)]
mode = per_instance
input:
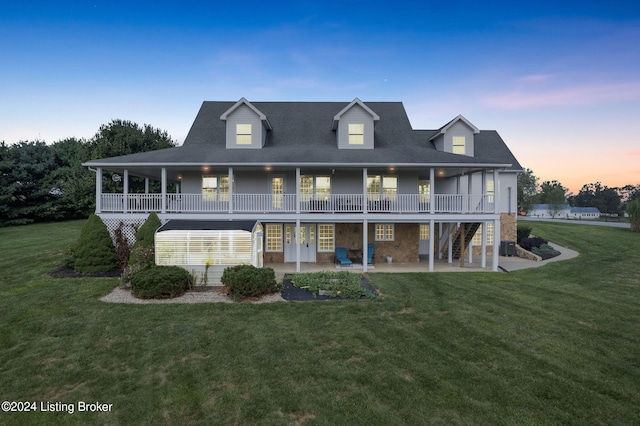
[(297, 189), (146, 185), (431, 243), (432, 191), (230, 190), (365, 199), (365, 243), (99, 190), (450, 247), (163, 184), (496, 191), (483, 260), (297, 238), (125, 191), (470, 259), (496, 246)]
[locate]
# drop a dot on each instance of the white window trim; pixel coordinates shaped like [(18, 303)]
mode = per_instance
[(384, 238), (266, 233), (243, 132), (356, 129), (333, 238)]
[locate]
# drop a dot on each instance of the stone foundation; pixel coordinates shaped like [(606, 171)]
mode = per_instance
[(403, 248)]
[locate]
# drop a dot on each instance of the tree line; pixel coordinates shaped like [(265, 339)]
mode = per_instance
[(44, 183), (608, 200)]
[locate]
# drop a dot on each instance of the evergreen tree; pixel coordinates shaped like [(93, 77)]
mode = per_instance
[(94, 251)]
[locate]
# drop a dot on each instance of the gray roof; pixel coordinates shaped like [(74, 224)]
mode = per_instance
[(216, 225), (302, 135)]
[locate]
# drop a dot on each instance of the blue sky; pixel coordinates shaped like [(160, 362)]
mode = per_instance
[(560, 81)]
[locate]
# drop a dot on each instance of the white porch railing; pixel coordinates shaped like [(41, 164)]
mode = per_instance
[(287, 203)]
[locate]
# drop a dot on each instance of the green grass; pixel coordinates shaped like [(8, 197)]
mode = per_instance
[(553, 345)]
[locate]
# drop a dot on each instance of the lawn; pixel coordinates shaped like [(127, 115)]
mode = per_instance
[(553, 345)]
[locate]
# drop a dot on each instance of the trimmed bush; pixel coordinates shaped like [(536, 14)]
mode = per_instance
[(523, 232), (160, 282), (94, 251), (249, 281), (145, 237), (545, 251), (529, 243)]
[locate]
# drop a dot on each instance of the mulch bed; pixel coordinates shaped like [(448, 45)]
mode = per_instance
[(292, 293), (65, 271)]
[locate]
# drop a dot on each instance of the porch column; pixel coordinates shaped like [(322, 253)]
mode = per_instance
[(462, 234), (297, 238), (470, 258), (146, 185), (432, 191), (297, 189), (432, 234), (483, 259), (365, 243), (99, 190), (230, 190), (496, 242), (163, 182), (364, 190), (496, 192), (450, 248), (125, 191)]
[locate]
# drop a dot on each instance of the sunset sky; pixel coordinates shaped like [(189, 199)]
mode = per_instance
[(560, 81)]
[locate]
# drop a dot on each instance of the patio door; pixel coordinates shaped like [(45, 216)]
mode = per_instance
[(277, 192), (307, 242), (423, 247)]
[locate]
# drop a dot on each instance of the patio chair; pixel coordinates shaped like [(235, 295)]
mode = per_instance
[(370, 254), (341, 256)]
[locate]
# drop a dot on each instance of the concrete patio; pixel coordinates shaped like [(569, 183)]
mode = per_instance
[(510, 263)]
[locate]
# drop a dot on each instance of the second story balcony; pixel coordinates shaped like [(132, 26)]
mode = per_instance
[(292, 203)]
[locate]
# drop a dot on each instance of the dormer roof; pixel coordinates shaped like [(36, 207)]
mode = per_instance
[(356, 101), (244, 101), (446, 127)]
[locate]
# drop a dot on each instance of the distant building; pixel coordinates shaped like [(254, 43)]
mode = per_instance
[(563, 211)]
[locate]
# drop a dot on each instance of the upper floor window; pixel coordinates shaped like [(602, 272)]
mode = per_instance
[(243, 134), (215, 188), (320, 186), (356, 134), (459, 145), (386, 186)]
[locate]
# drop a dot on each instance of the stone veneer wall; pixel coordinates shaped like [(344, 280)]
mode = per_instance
[(403, 248)]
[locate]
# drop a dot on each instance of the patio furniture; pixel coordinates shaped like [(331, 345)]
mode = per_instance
[(370, 254), (341, 256)]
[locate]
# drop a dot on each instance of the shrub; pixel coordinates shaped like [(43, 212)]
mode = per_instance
[(529, 243), (94, 250), (523, 232), (160, 282), (145, 235), (123, 247), (633, 210), (335, 284), (545, 251), (249, 281)]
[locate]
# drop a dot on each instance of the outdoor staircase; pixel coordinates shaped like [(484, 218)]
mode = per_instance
[(470, 229)]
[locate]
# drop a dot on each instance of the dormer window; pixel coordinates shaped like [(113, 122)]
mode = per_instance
[(356, 134), (243, 134), (459, 145)]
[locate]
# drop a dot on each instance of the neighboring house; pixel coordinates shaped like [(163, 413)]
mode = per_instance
[(323, 171), (549, 210), (584, 213), (563, 211)]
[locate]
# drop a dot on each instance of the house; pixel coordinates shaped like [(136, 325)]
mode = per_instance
[(549, 210), (563, 211), (584, 213), (315, 176)]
